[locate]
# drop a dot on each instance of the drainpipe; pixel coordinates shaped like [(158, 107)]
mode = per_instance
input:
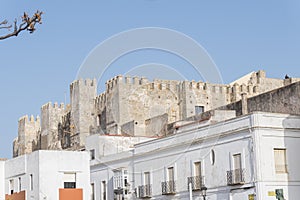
[(190, 190)]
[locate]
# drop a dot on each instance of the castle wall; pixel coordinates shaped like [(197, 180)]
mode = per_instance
[(136, 106), (136, 99), (140, 100), (281, 100), (156, 126)]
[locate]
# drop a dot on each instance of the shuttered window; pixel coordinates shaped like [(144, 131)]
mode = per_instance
[(197, 167), (147, 178), (280, 160), (237, 162), (171, 173)]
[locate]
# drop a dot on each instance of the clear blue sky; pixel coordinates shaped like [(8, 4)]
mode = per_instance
[(240, 36)]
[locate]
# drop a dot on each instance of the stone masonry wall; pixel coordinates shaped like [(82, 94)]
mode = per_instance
[(281, 100), (138, 107)]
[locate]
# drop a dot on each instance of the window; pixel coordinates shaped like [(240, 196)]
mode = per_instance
[(93, 191), (171, 173), (120, 179), (103, 190), (31, 182), (280, 160), (254, 89), (92, 154), (69, 180), (199, 110), (11, 186), (197, 168), (20, 184), (69, 185), (237, 174), (169, 187), (212, 157), (237, 162), (120, 183), (196, 181), (99, 120), (147, 178)]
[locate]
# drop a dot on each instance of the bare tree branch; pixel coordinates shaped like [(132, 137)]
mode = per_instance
[(4, 23), (28, 23)]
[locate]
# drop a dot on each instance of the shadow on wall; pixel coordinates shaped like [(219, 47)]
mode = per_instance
[(291, 159)]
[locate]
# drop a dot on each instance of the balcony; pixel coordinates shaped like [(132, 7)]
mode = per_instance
[(197, 182), (236, 177), (145, 191), (168, 187)]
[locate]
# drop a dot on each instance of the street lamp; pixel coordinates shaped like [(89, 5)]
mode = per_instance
[(203, 192)]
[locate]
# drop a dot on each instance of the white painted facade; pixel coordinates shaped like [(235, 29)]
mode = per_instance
[(247, 141), (114, 152), (105, 145), (2, 182), (41, 173), (277, 132)]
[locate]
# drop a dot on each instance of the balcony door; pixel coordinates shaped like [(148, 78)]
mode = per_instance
[(197, 167), (237, 168), (197, 178), (237, 162), (171, 173), (147, 178), (171, 179)]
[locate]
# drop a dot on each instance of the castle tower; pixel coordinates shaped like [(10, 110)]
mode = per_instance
[(83, 94), (28, 130), (51, 116), (198, 97)]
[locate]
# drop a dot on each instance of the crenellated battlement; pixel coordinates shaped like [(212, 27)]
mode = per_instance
[(29, 120), (127, 80), (135, 80), (243, 88), (84, 82), (158, 84), (49, 105), (206, 87), (111, 83), (101, 100)]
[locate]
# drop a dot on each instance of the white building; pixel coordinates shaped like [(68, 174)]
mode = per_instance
[(50, 175), (2, 182), (253, 156), (115, 152)]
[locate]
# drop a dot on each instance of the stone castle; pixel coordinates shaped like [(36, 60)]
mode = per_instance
[(132, 107)]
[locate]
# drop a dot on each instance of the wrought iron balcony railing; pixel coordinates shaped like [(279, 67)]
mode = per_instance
[(145, 191), (168, 187), (196, 181), (236, 177)]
